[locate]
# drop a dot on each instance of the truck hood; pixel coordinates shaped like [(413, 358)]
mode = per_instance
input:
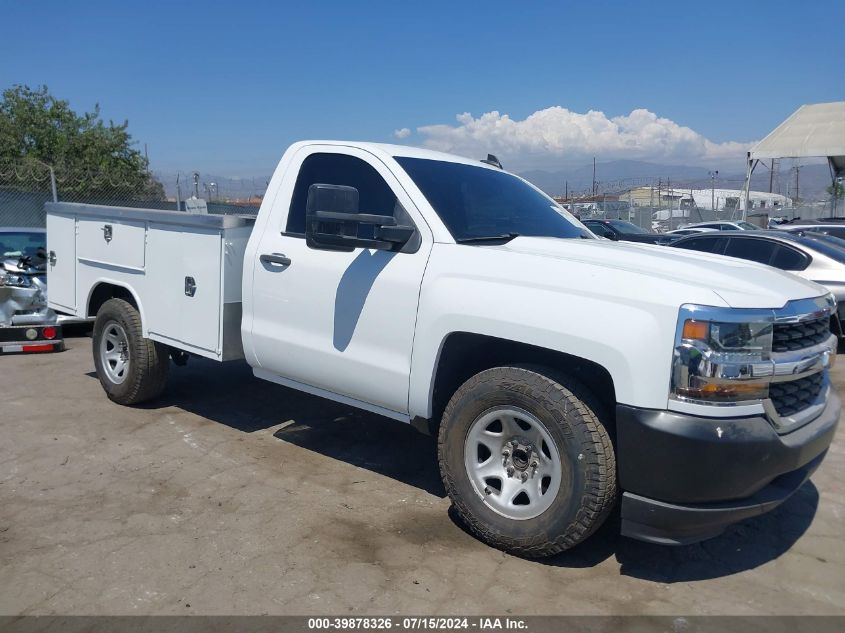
[(739, 283)]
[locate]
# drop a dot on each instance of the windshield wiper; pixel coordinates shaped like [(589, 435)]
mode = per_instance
[(504, 238)]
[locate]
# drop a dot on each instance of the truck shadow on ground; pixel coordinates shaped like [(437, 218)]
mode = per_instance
[(230, 395)]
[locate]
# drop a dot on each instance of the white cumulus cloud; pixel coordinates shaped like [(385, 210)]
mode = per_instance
[(557, 133), (402, 133)]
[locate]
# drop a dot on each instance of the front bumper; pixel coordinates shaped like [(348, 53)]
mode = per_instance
[(686, 478)]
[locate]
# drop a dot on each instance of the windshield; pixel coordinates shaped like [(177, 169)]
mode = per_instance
[(476, 202), (627, 227), (747, 226), (17, 243)]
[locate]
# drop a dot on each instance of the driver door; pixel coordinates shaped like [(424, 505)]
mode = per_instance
[(336, 321)]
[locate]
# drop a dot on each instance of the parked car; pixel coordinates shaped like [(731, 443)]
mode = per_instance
[(31, 242), (560, 372), (828, 227), (813, 256), (621, 230), (26, 323), (690, 231), (723, 226)]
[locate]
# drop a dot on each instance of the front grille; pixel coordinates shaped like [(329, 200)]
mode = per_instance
[(791, 397), (787, 337)]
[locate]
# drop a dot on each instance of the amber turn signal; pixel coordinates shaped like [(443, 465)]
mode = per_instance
[(696, 330)]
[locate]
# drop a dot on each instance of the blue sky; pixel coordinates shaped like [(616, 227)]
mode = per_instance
[(225, 86)]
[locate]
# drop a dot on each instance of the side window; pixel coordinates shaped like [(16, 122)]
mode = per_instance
[(752, 249), (727, 227), (788, 258), (600, 229), (374, 194), (703, 244)]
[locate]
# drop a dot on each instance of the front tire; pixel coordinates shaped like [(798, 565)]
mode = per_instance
[(526, 461), (132, 369)]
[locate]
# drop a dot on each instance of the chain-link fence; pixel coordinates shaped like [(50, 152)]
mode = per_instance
[(26, 186), (661, 206)]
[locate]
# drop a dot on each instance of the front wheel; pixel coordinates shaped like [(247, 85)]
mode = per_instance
[(131, 368), (526, 461)]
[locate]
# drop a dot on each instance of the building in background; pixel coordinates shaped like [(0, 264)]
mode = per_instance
[(704, 199)]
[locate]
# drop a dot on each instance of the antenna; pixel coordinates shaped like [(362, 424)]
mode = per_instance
[(492, 160)]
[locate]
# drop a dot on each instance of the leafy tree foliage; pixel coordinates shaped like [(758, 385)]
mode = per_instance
[(90, 158)]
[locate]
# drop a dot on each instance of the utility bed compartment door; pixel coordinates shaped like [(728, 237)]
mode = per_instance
[(183, 275), (61, 269), (116, 243)]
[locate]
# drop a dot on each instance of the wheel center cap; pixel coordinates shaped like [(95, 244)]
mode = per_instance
[(520, 458)]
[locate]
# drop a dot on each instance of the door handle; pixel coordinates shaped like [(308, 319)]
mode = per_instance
[(275, 258)]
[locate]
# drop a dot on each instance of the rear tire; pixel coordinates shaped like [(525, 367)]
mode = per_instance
[(526, 461), (132, 369)]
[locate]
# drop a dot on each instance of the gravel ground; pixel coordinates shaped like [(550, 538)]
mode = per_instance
[(230, 495)]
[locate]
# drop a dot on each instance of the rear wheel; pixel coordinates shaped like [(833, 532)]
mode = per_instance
[(131, 368), (526, 461)]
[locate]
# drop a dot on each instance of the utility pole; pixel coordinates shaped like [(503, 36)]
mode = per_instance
[(659, 193), (797, 172), (671, 195), (713, 175), (594, 175)]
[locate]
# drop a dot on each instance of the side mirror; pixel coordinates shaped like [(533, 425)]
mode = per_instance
[(333, 221)]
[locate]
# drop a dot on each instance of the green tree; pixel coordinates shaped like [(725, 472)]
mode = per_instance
[(91, 158), (836, 190)]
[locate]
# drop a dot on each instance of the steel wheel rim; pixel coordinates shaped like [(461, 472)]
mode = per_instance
[(512, 462), (114, 352)]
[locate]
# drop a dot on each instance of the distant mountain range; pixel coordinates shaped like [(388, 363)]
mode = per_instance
[(619, 175)]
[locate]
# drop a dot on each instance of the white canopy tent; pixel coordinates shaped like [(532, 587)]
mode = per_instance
[(814, 130)]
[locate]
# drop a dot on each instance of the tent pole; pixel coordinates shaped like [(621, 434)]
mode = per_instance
[(746, 188)]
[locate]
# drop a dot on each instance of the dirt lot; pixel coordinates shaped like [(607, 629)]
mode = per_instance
[(235, 496)]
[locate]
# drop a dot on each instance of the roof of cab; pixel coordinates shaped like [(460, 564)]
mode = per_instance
[(388, 150)]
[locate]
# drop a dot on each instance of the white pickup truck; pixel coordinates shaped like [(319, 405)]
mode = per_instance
[(560, 372)]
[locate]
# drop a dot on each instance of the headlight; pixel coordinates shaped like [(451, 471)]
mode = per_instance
[(18, 281), (721, 361)]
